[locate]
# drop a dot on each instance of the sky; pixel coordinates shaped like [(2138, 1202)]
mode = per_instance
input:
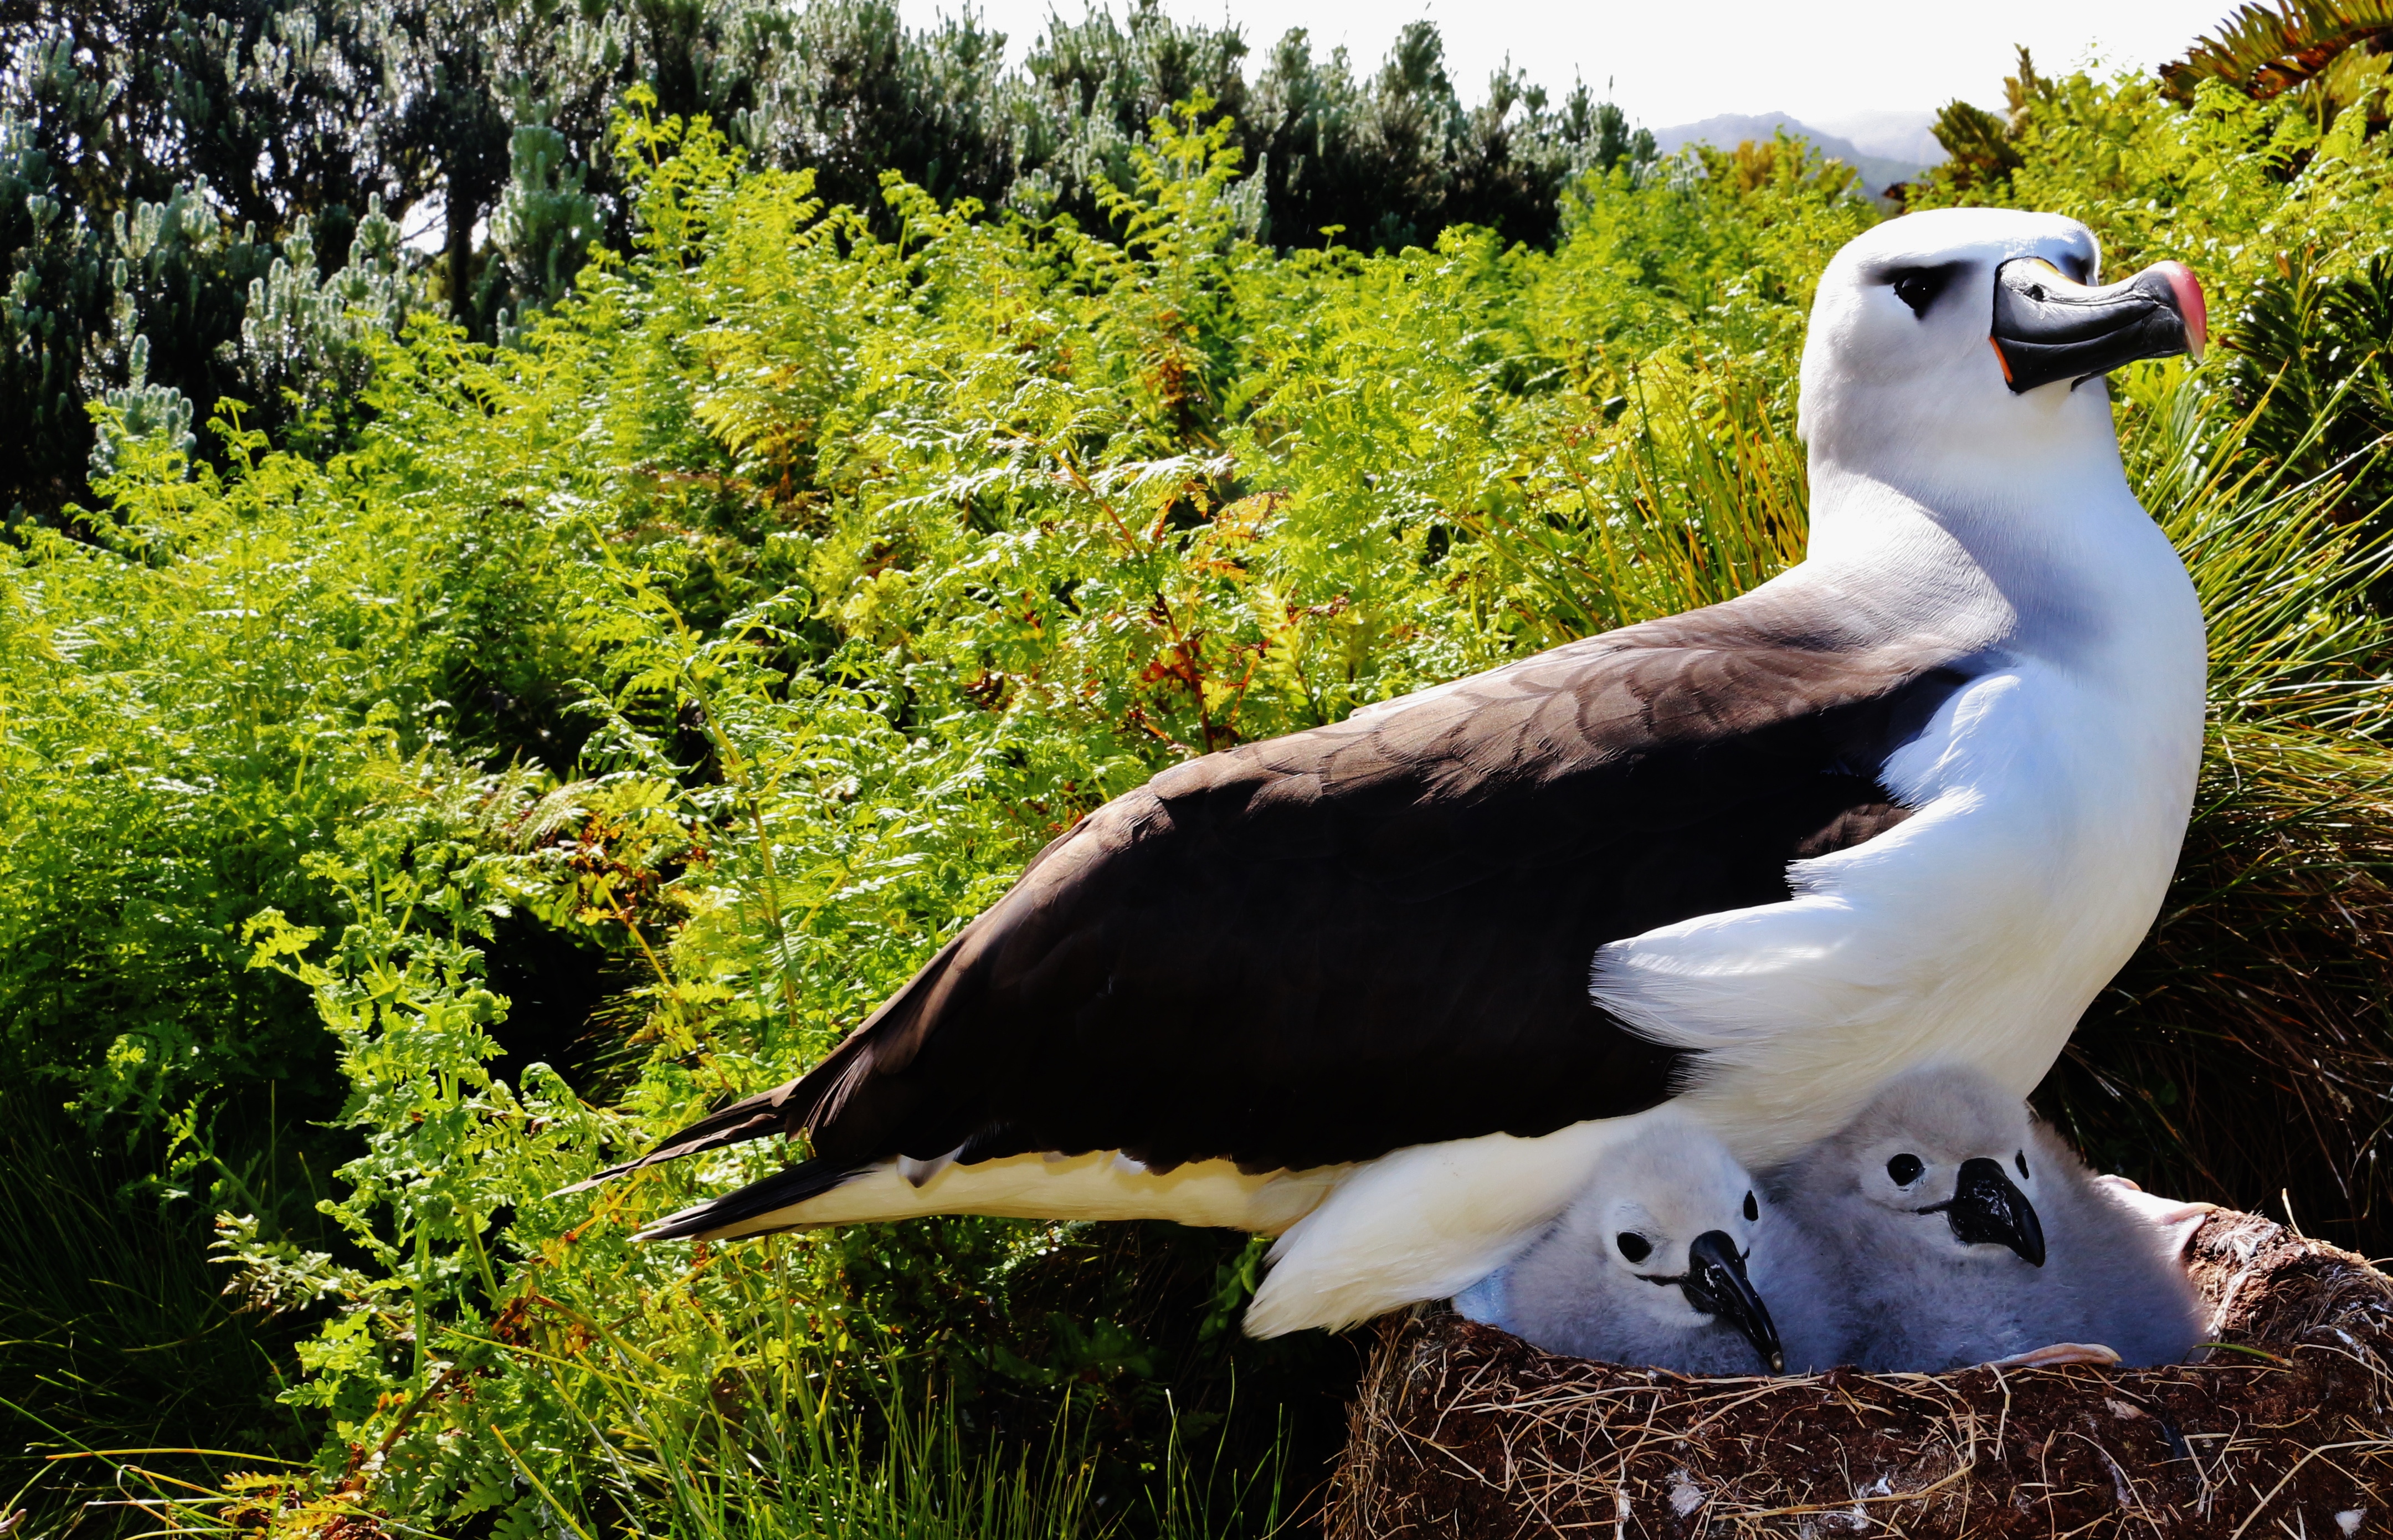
[(1827, 62)]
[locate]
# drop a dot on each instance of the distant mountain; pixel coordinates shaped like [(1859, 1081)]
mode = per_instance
[(1896, 135), (1731, 129)]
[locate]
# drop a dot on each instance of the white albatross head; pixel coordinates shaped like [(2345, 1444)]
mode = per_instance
[(1955, 354)]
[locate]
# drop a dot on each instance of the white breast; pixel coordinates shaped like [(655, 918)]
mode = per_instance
[(2051, 795)]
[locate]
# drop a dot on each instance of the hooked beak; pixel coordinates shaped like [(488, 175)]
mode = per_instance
[(1715, 1285), (2048, 326), (1985, 1210)]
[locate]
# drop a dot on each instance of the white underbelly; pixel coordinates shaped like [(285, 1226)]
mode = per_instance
[(1429, 1220)]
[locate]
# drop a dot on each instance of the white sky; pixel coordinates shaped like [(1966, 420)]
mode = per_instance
[(1674, 63)]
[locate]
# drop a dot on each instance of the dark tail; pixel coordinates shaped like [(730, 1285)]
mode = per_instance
[(810, 1180), (806, 1103), (781, 1110)]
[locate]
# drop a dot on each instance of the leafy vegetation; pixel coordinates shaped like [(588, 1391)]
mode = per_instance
[(434, 773)]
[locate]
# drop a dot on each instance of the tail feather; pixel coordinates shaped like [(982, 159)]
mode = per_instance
[(809, 1180), (813, 1099), (757, 1116)]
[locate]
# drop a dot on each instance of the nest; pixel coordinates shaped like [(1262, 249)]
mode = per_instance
[(2283, 1427)]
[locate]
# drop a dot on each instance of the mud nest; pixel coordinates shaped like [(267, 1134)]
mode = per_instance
[(2283, 1426)]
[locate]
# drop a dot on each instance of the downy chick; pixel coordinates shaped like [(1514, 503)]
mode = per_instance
[(1647, 1266), (1941, 1228)]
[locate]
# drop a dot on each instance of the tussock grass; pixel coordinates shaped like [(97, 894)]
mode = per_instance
[(112, 1327), (2245, 1054)]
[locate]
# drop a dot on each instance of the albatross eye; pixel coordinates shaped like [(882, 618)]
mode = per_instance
[(1905, 1169), (1752, 1210), (1633, 1245), (1918, 287), (2019, 1158)]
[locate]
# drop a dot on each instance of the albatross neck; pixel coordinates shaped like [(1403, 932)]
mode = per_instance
[(2047, 552)]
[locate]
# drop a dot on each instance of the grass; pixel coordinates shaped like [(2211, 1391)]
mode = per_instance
[(2245, 1055), (806, 1450), (112, 1328)]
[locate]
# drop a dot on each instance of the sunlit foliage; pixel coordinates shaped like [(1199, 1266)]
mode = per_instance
[(397, 834)]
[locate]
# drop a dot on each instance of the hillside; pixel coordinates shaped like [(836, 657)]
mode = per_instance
[(1730, 129)]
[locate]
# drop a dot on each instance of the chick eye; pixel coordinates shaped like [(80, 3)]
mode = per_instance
[(1918, 287), (1905, 1169), (2019, 1158), (1633, 1245), (1752, 1210)]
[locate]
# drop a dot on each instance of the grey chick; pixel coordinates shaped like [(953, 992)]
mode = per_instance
[(1646, 1266), (1941, 1227)]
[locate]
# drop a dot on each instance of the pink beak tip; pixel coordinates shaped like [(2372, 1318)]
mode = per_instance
[(2190, 305)]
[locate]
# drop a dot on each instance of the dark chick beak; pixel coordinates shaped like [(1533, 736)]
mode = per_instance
[(2047, 326), (1715, 1285), (1985, 1210)]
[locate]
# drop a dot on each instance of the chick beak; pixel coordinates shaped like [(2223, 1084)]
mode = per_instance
[(1985, 1210), (2047, 326), (1715, 1285)]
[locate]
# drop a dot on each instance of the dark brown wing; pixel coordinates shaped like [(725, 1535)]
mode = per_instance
[(1327, 946)]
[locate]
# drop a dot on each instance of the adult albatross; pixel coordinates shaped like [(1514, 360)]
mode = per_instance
[(1389, 989)]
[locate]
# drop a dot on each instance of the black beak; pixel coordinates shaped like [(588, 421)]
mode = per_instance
[(2049, 327), (1985, 1210), (1715, 1285)]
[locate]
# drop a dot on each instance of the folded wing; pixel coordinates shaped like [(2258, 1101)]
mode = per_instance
[(1323, 946)]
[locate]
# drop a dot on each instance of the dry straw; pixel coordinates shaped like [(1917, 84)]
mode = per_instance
[(2282, 1428)]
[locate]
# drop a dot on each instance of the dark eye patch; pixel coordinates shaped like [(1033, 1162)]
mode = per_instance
[(2020, 1159), (1752, 1210), (1918, 287), (1633, 1245), (1905, 1169)]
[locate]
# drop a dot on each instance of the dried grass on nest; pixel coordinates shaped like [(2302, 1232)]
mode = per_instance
[(2286, 1429)]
